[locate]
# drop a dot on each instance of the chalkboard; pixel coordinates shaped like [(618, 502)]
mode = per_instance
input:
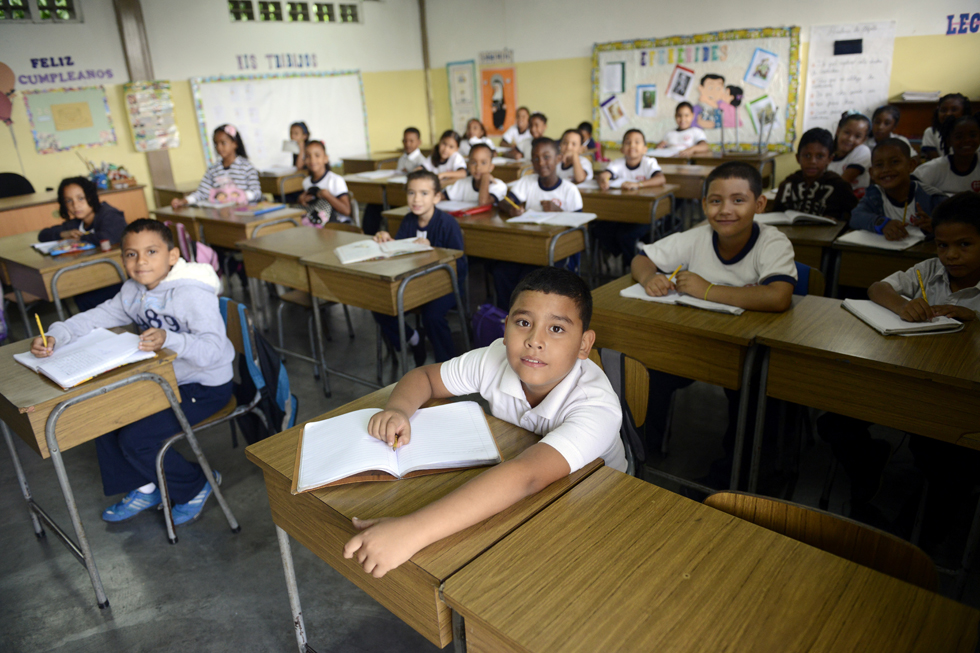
[(263, 107), (747, 78)]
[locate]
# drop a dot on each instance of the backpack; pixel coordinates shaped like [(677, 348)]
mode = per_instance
[(200, 253), (488, 325)]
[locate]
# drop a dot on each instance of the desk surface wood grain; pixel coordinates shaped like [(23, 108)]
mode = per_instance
[(392, 269)]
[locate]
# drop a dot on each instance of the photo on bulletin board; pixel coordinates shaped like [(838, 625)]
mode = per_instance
[(761, 68), (462, 92), (646, 100), (762, 113), (499, 99), (67, 118), (614, 77), (680, 82), (612, 109)]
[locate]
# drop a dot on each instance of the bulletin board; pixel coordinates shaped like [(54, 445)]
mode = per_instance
[(638, 85), (151, 116), (262, 108), (67, 118), (462, 93)]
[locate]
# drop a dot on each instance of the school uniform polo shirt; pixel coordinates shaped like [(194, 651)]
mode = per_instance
[(336, 186), (767, 257), (564, 194), (936, 280), (409, 162), (645, 169), (568, 174), (515, 137), (860, 159), (453, 163), (939, 174), (580, 418), (467, 190), (467, 145), (685, 138)]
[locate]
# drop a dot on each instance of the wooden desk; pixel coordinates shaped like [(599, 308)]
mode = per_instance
[(510, 171), (689, 179), (225, 227), (166, 194), (321, 521), (766, 162), (813, 244), (278, 184), (36, 211), (642, 206), (619, 564), (487, 235), (862, 266), (375, 161), (385, 192)]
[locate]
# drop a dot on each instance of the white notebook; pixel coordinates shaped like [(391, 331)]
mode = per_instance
[(636, 291), (665, 152), (451, 205), (398, 179), (871, 239), (592, 184), (564, 219), (501, 160), (86, 357), (45, 248), (339, 450), (791, 217), (376, 174), (367, 249), (888, 323)]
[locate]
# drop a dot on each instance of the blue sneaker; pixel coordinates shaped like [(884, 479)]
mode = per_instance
[(188, 512), (132, 504)]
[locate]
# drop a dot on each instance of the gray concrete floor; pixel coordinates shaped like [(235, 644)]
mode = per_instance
[(218, 591)]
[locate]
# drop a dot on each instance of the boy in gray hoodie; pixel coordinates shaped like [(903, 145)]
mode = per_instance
[(175, 305)]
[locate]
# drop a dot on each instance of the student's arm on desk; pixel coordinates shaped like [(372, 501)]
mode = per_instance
[(701, 147), (775, 297), (915, 310), (646, 274), (107, 315), (658, 179)]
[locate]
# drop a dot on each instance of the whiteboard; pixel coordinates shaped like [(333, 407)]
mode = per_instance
[(263, 107)]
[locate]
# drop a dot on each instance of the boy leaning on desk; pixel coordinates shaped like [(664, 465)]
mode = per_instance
[(538, 377)]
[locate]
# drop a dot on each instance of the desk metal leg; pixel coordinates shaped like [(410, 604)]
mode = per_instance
[(459, 633), (321, 344), (23, 312), (760, 424), (743, 410), (22, 479), (835, 278), (290, 572), (401, 309)]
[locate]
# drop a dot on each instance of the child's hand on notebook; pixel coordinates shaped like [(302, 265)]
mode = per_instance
[(961, 313), (38, 348), (382, 237), (423, 241), (548, 206), (690, 284), (921, 219), (391, 425), (659, 285), (916, 310), (383, 544), (631, 185), (894, 230), (152, 339)]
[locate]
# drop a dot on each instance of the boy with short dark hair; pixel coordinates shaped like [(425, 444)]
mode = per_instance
[(412, 159), (481, 186), (539, 377), (813, 189), (538, 125)]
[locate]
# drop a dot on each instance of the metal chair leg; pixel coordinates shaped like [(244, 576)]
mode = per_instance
[(23, 312), (22, 479), (309, 330), (282, 344), (350, 325), (285, 550), (378, 348), (318, 326)]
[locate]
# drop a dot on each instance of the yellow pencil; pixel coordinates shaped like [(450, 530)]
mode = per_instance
[(922, 287), (394, 445), (904, 209), (671, 277), (508, 199), (44, 338)]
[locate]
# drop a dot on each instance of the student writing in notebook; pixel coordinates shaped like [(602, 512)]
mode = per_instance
[(538, 377), (481, 186), (733, 260), (175, 305)]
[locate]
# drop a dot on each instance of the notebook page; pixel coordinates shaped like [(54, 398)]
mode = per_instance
[(398, 179), (887, 322), (339, 447), (869, 239), (45, 248), (665, 152), (362, 250), (97, 335), (451, 205), (716, 307), (376, 174), (636, 291), (443, 437), (77, 366), (403, 246), (571, 219)]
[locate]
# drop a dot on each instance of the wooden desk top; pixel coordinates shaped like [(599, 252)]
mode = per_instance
[(686, 170), (17, 249), (51, 197), (385, 155), (280, 174), (649, 194), (184, 188), (716, 158), (227, 215), (821, 327), (819, 235), (389, 270), (292, 243), (918, 252), (619, 564), (489, 221)]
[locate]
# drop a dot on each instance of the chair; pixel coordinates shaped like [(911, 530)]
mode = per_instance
[(240, 331), (12, 185), (809, 281), (840, 536), (631, 382)]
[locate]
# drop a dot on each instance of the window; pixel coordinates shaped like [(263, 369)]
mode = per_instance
[(298, 12), (323, 12), (270, 11), (14, 10), (348, 13), (58, 10), (241, 10)]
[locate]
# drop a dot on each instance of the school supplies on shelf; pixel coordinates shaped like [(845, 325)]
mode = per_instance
[(80, 360), (636, 291), (791, 217), (366, 250), (564, 219), (869, 239), (339, 450), (888, 323)]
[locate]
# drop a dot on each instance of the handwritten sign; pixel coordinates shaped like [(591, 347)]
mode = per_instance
[(842, 82)]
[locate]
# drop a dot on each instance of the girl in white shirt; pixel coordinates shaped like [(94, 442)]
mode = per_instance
[(883, 121), (475, 133), (960, 170), (573, 166), (951, 105), (519, 131), (325, 194), (852, 158), (446, 161), (689, 139)]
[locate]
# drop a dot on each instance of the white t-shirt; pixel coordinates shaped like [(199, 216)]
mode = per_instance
[(455, 162), (871, 143), (409, 162), (859, 157), (528, 189), (939, 174), (645, 169), (568, 173), (524, 147), (580, 417), (337, 187), (930, 138), (685, 138), (514, 137), (466, 145), (467, 190), (767, 257)]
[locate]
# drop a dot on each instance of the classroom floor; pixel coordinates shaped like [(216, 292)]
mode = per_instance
[(217, 591)]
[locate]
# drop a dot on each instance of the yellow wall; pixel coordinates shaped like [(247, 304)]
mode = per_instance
[(395, 100), (187, 160)]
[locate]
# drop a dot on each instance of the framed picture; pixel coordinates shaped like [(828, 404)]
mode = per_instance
[(646, 100), (462, 92), (680, 83), (762, 113), (762, 68), (612, 109), (499, 103)]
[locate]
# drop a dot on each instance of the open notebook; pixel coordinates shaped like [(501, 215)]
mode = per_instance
[(592, 184), (564, 219), (636, 291), (338, 451), (367, 249), (792, 217), (871, 239), (887, 323), (86, 357), (376, 174)]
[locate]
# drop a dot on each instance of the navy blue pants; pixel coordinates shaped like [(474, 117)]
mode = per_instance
[(619, 239), (127, 457), (435, 323), (91, 299)]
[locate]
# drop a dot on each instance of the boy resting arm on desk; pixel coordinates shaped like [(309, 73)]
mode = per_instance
[(538, 377)]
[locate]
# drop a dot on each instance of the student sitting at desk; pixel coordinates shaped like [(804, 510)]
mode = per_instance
[(573, 167), (959, 170), (88, 219), (325, 194), (813, 189), (895, 200), (439, 229), (522, 150), (589, 144), (412, 159), (538, 377), (446, 161), (175, 305), (883, 123), (299, 133), (952, 285), (689, 138), (475, 133), (518, 132), (732, 260), (234, 170), (951, 105), (852, 158), (480, 186)]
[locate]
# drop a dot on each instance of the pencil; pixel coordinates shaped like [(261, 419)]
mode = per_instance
[(922, 287), (44, 338), (671, 277), (904, 209), (508, 199), (394, 445)]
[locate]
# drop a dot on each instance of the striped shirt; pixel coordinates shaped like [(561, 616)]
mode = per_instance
[(241, 175)]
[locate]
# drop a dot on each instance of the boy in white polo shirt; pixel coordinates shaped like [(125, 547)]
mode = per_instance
[(734, 260), (412, 159), (538, 377), (480, 186)]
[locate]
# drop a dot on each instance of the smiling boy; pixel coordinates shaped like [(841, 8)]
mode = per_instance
[(813, 189), (481, 186), (538, 377)]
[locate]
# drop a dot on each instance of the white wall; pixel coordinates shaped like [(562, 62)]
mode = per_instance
[(93, 45), (538, 30), (196, 38)]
